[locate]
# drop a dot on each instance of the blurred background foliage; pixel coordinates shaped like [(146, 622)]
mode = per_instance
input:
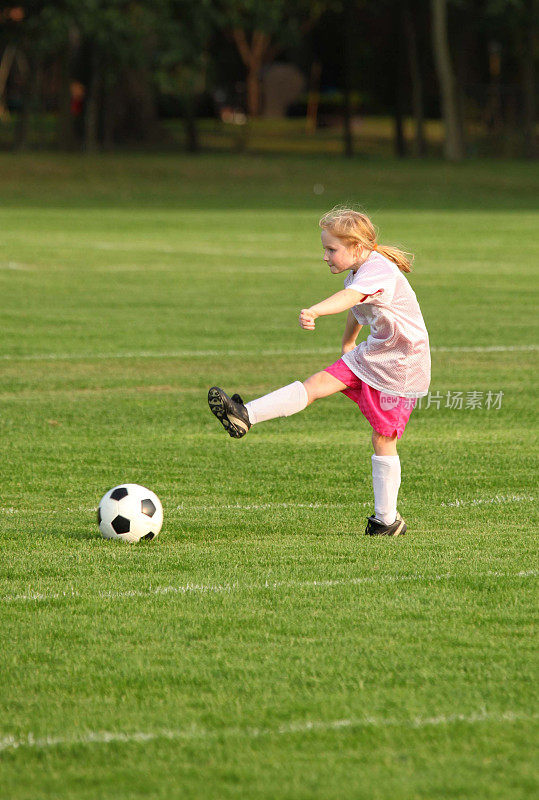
[(412, 77)]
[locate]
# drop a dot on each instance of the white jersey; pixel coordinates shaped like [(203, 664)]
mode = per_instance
[(395, 358)]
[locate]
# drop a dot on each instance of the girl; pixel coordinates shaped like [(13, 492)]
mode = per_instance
[(384, 374)]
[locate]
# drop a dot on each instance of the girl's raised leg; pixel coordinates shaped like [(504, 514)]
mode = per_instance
[(293, 398), (237, 418), (322, 384)]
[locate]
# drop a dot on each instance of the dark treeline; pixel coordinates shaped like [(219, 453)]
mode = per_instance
[(110, 70)]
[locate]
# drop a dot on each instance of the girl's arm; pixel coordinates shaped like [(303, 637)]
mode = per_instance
[(341, 301), (351, 330)]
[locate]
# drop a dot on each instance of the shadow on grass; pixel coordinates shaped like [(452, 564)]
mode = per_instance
[(95, 537)]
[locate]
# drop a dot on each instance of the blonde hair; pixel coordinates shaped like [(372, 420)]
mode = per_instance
[(355, 228)]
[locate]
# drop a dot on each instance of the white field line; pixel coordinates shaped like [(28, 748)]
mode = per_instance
[(240, 353), (30, 741), (13, 265), (144, 246), (11, 510), (269, 506), (497, 499), (235, 586)]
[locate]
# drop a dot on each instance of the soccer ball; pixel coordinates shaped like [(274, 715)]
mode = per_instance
[(130, 512)]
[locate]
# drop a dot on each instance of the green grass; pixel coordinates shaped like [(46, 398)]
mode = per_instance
[(260, 648)]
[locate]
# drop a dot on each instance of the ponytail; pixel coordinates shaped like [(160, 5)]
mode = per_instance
[(355, 228), (399, 257)]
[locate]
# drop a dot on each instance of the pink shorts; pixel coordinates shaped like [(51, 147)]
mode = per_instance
[(387, 413)]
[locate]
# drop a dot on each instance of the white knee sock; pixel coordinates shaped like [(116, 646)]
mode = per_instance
[(281, 403), (386, 479)]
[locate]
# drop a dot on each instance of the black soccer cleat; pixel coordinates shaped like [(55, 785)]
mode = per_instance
[(230, 411), (377, 528)]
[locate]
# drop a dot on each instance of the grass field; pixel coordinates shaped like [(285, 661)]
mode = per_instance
[(261, 647)]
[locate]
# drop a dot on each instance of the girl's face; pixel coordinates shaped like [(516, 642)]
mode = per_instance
[(338, 255)]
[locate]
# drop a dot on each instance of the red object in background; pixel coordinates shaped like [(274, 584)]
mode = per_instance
[(78, 93), (14, 13)]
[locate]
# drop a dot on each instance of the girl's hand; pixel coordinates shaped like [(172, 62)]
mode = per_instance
[(306, 319)]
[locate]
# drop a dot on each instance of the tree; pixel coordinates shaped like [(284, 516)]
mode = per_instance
[(410, 24), (181, 62), (261, 29), (119, 37), (515, 23), (453, 141), (37, 37), (348, 60), (112, 40), (528, 59)]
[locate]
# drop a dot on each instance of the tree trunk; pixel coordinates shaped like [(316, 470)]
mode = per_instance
[(468, 44), (348, 46), (66, 123), (528, 80), (22, 127), (6, 63), (313, 98), (65, 129), (110, 101), (252, 56), (415, 79), (93, 104), (253, 90), (29, 83), (192, 143), (453, 140), (398, 117), (399, 85), (134, 112)]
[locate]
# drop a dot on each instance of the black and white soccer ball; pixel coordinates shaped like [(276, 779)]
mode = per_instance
[(130, 512)]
